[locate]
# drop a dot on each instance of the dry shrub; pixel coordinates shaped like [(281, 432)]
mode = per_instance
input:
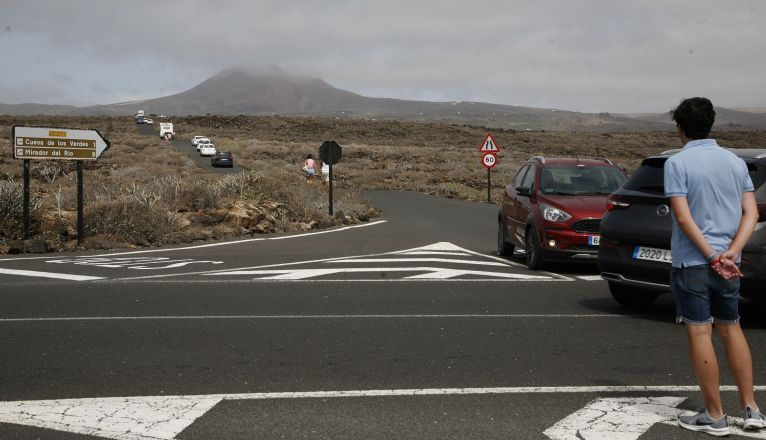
[(200, 195), (130, 221), (12, 211), (238, 185)]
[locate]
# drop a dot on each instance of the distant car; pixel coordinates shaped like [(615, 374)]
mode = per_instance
[(222, 159), (207, 150), (553, 209), (196, 139), (634, 256), (202, 142), (148, 121)]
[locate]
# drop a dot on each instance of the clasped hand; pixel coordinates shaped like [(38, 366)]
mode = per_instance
[(726, 266)]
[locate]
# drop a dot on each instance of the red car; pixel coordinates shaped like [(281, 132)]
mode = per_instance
[(553, 209)]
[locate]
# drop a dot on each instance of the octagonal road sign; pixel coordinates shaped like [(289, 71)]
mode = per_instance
[(330, 152)]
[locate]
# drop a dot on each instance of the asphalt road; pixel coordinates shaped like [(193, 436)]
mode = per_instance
[(185, 147), (410, 327)]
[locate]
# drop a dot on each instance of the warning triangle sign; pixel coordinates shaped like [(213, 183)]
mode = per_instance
[(489, 145)]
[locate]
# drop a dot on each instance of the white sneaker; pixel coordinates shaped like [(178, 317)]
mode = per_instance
[(753, 419)]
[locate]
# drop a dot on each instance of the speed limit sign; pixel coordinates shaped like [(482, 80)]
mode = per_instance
[(489, 160)]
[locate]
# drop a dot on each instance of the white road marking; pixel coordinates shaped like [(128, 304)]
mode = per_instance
[(289, 317), (443, 274), (626, 418), (140, 263), (431, 253), (225, 243), (431, 273), (589, 277), (164, 417), (59, 276), (413, 260), (615, 418)]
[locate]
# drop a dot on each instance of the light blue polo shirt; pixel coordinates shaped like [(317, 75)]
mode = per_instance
[(712, 179)]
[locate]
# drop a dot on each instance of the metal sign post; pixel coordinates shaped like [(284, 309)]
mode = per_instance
[(57, 144), (330, 153), (489, 150), (80, 211), (489, 160), (26, 199)]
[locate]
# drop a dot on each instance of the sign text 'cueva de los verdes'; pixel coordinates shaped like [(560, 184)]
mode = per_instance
[(57, 143)]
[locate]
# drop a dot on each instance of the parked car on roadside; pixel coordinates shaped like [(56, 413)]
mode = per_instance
[(196, 139), (553, 209), (634, 256), (222, 159), (207, 150), (148, 121), (202, 142)]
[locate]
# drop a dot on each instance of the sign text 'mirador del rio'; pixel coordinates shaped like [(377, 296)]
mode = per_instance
[(57, 143)]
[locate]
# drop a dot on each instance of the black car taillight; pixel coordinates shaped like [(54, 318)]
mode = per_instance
[(614, 202)]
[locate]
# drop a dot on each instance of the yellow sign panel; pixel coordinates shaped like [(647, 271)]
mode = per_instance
[(57, 133)]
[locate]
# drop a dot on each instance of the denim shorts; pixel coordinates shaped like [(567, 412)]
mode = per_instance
[(702, 296)]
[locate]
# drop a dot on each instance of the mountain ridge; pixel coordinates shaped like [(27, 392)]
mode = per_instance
[(236, 91)]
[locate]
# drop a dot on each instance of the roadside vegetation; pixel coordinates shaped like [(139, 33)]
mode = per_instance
[(142, 192)]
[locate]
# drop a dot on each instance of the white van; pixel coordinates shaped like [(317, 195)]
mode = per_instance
[(166, 130)]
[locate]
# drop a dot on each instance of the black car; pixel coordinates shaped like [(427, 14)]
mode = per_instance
[(634, 252), (222, 159)]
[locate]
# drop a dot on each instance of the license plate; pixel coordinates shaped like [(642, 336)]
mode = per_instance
[(593, 240), (651, 254)]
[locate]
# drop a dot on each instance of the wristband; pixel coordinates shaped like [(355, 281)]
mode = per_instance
[(713, 257)]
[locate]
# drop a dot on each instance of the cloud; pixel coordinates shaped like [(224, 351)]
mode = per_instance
[(588, 55)]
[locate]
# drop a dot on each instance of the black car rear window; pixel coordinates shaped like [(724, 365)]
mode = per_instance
[(649, 177)]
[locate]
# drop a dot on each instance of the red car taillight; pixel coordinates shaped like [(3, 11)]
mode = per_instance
[(615, 202)]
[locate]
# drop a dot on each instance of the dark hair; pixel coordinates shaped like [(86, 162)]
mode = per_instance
[(695, 116), (309, 157)]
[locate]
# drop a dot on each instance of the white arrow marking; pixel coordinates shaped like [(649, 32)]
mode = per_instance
[(626, 418), (431, 273), (121, 418), (60, 276), (413, 260), (164, 417), (615, 418)]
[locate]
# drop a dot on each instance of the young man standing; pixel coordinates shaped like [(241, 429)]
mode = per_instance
[(714, 214)]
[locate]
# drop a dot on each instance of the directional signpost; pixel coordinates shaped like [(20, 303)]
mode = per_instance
[(330, 153), (489, 150), (41, 143)]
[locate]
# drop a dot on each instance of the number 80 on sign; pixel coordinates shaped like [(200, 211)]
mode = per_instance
[(489, 160)]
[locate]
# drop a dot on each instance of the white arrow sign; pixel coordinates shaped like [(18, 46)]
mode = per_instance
[(626, 418), (57, 143)]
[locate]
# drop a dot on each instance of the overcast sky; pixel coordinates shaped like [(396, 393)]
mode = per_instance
[(587, 55)]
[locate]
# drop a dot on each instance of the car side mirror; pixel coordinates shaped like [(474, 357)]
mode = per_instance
[(523, 191)]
